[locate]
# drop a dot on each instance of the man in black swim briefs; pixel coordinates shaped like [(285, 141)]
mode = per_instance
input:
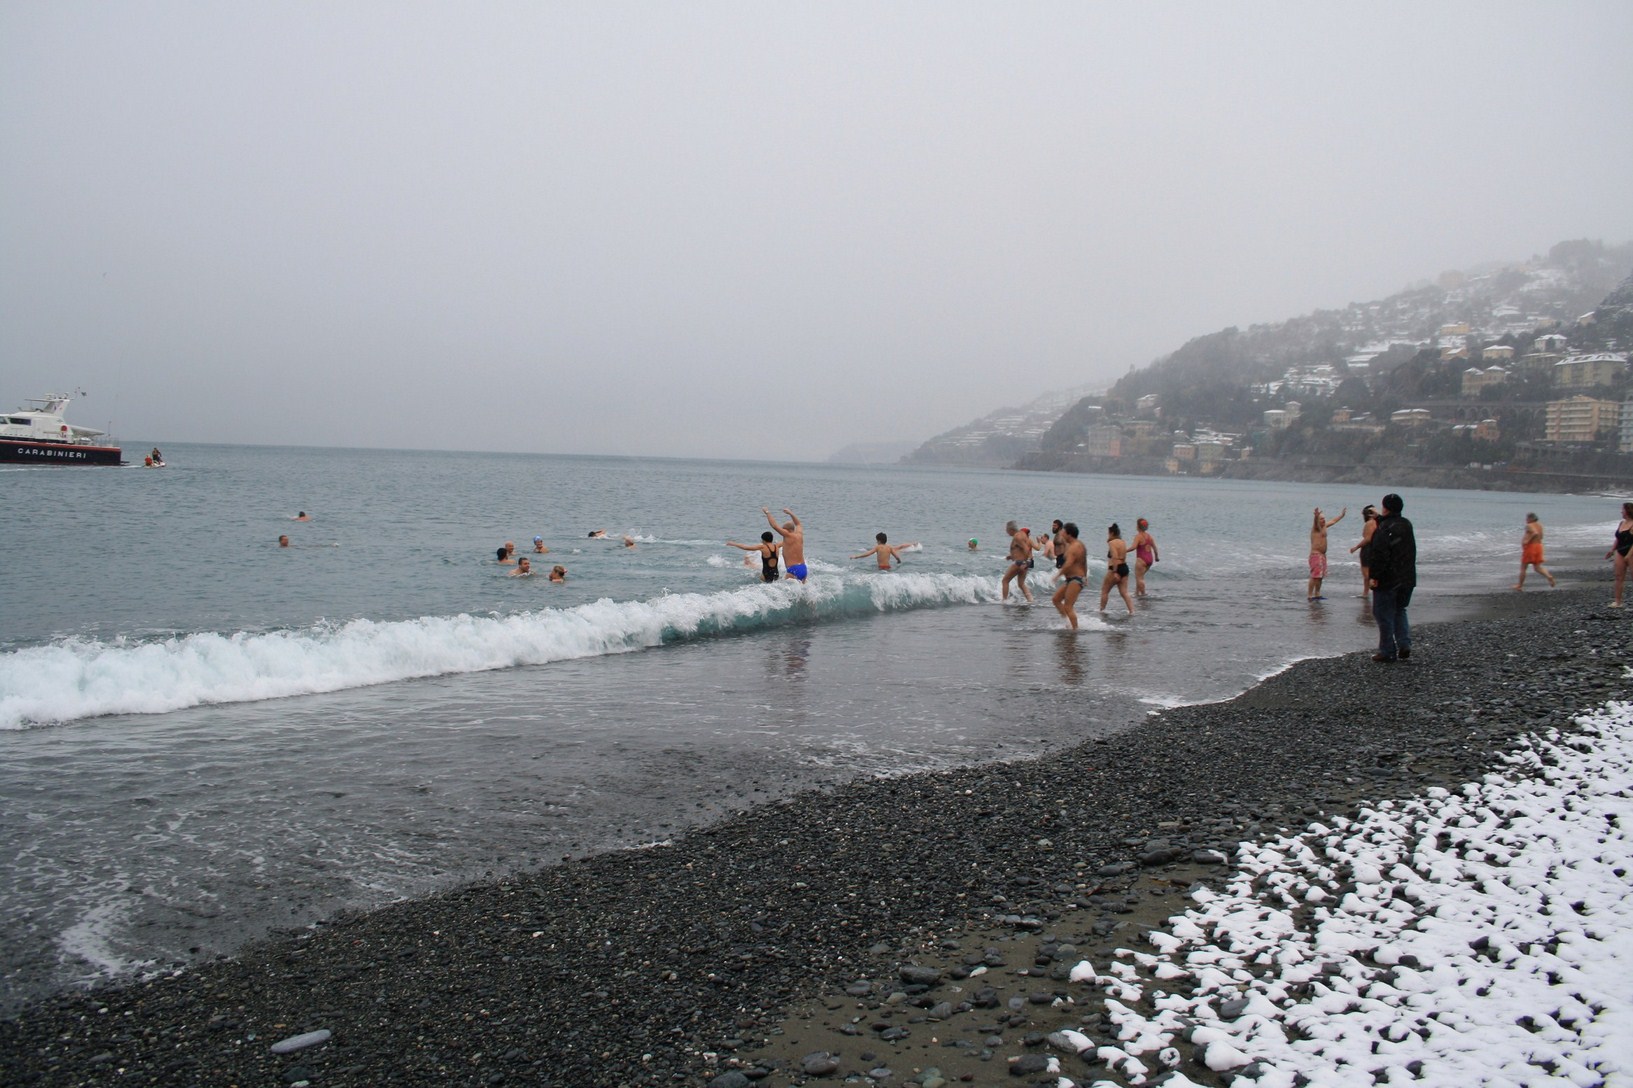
[(1075, 567), (1020, 560)]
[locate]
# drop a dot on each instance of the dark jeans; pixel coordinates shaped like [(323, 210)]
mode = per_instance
[(1389, 609)]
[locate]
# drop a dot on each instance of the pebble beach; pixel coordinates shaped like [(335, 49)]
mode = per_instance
[(998, 924)]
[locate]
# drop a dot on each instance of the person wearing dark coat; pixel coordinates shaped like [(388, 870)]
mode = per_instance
[(1394, 556)]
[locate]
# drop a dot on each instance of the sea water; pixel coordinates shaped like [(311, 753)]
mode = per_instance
[(204, 736)]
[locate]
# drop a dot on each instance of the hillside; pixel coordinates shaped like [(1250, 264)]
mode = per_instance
[(1507, 376), (1002, 437)]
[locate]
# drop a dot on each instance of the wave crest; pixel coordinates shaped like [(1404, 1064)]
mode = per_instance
[(82, 678)]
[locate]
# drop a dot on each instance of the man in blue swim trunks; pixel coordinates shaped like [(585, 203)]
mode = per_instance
[(793, 542)]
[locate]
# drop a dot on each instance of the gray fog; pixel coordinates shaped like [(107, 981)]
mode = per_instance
[(739, 229)]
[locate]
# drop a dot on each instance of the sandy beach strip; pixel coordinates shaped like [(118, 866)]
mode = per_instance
[(919, 930)]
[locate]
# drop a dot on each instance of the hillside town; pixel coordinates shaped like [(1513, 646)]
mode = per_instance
[(1510, 370)]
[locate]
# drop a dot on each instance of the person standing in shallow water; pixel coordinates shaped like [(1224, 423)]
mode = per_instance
[(1020, 561), (1369, 518), (1394, 576), (1619, 550), (1145, 554), (1318, 551), (1531, 552), (766, 549), (885, 550), (1116, 568), (793, 542), (1074, 572)]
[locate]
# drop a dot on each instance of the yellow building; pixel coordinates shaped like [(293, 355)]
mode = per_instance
[(1581, 371), (1581, 419), (1475, 379)]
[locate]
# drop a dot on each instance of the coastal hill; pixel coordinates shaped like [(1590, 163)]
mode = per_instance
[(1509, 376), (1002, 437)]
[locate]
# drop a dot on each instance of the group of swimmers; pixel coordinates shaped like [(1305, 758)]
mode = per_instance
[(1072, 563), (506, 556)]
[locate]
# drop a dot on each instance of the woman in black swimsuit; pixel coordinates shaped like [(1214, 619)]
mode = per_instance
[(767, 547), (1369, 518), (1116, 568), (1618, 553)]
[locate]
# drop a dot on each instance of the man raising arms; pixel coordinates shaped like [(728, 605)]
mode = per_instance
[(1318, 551), (793, 542)]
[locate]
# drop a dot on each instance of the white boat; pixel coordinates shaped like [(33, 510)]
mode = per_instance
[(41, 436)]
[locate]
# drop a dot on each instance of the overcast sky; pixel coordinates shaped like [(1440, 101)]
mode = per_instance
[(751, 229)]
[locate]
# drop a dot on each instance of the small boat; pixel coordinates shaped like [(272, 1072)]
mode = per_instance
[(40, 436)]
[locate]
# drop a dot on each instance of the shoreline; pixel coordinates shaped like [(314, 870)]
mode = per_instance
[(1427, 477), (740, 950)]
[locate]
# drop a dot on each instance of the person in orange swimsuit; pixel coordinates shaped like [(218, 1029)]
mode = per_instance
[(1531, 551)]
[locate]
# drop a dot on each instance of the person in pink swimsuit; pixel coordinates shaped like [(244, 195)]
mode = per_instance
[(1145, 555)]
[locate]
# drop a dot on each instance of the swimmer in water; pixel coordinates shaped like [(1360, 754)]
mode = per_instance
[(793, 542), (886, 551), (767, 551), (524, 567)]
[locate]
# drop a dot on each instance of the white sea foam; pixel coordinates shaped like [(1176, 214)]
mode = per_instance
[(80, 678), (90, 939)]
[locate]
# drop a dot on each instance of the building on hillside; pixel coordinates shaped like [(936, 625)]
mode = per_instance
[(1475, 380), (1341, 415), (1581, 419), (1363, 424), (1454, 354), (1105, 440), (1411, 417), (1497, 351), (1486, 430), (1549, 342), (1276, 419), (1585, 371), (1456, 328), (1537, 362), (1210, 456), (1148, 405), (1625, 445)]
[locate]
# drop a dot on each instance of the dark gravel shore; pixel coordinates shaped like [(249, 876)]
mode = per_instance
[(829, 938)]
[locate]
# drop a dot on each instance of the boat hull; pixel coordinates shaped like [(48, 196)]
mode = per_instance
[(14, 451)]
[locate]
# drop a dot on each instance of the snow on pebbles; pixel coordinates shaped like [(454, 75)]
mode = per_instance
[(1482, 936)]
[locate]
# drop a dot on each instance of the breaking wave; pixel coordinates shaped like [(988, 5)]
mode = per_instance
[(83, 678)]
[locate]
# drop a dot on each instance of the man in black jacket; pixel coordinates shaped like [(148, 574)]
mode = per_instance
[(1394, 555)]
